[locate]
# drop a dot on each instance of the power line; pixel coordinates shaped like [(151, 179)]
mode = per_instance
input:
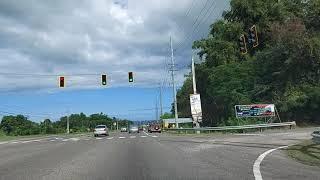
[(62, 74), (195, 21), (196, 27)]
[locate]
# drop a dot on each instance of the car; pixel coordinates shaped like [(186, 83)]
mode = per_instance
[(124, 129), (134, 129), (154, 128), (101, 130)]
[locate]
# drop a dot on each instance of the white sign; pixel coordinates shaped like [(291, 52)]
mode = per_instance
[(195, 104), (179, 120)]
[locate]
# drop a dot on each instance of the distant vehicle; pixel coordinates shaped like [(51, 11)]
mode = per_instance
[(140, 128), (154, 128), (101, 130), (134, 129), (124, 129)]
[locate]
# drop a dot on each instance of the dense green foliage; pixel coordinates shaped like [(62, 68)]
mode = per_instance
[(284, 69), (20, 125)]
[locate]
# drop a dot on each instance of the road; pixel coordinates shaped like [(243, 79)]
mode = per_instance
[(153, 156)]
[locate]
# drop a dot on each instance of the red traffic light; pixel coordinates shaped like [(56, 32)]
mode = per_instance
[(61, 81)]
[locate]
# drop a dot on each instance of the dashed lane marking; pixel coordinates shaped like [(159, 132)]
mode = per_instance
[(52, 140), (154, 136), (143, 136), (132, 136), (98, 138), (122, 137), (110, 138)]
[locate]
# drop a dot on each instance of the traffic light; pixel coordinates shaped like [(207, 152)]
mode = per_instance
[(104, 79), (61, 82), (253, 36), (130, 76), (243, 44)]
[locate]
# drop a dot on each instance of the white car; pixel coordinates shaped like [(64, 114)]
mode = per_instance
[(123, 129), (101, 130)]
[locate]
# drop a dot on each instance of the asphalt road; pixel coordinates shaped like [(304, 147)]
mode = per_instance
[(153, 156)]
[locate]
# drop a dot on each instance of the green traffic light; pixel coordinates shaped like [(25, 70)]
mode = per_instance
[(104, 79)]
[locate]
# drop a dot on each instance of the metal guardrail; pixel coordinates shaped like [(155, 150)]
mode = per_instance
[(225, 128), (316, 137)]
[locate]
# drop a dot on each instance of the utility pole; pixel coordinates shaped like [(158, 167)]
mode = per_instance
[(161, 110), (174, 86), (68, 130), (194, 84), (157, 112)]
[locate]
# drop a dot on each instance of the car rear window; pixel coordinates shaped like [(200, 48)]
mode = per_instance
[(101, 126)]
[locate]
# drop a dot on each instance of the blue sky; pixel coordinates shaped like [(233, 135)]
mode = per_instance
[(43, 39), (126, 102)]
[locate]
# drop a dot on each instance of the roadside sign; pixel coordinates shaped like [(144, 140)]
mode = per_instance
[(255, 110), (195, 104)]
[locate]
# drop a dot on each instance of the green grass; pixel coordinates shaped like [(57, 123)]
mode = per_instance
[(10, 138), (306, 152)]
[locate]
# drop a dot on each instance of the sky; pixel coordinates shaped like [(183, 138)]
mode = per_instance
[(80, 39)]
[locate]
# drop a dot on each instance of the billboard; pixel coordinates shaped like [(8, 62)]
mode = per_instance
[(255, 110), (195, 104)]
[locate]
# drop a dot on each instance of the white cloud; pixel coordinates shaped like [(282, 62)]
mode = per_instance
[(92, 37)]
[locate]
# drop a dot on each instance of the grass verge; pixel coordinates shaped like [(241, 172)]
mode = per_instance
[(306, 152), (10, 138)]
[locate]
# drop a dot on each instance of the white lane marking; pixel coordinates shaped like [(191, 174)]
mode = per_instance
[(86, 139), (146, 133), (65, 140), (143, 136), (14, 142), (256, 165), (154, 136), (249, 134), (132, 136), (98, 138), (74, 139), (110, 138), (122, 137), (3, 142), (52, 140), (30, 141)]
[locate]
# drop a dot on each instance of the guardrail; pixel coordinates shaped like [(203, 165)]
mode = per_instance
[(226, 128), (316, 137)]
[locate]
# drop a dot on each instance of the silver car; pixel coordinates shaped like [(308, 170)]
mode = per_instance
[(101, 130), (134, 129)]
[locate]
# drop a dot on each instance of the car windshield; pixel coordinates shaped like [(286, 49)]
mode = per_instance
[(159, 89), (101, 126)]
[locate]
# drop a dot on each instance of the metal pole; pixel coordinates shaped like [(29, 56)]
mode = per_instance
[(68, 130), (194, 88), (161, 110), (174, 87), (193, 77)]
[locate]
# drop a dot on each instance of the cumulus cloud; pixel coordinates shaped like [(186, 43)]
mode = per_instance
[(94, 37)]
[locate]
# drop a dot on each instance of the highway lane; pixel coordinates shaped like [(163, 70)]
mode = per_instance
[(152, 156)]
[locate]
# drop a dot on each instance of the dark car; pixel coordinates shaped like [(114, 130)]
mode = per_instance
[(154, 128)]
